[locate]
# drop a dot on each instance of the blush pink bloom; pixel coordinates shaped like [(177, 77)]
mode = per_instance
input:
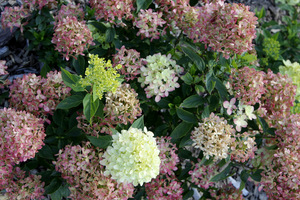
[(229, 105), (3, 68)]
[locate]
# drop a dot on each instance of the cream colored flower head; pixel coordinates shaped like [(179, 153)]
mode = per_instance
[(213, 137), (133, 157)]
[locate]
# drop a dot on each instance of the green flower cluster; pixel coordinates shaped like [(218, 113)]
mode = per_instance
[(101, 75), (271, 48)]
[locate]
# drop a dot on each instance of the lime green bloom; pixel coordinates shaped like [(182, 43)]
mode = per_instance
[(271, 48), (101, 76), (133, 157)]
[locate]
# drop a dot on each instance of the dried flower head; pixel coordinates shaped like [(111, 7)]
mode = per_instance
[(68, 11), (133, 157), (79, 166), (148, 23), (101, 76), (164, 188), (213, 137), (130, 61), (21, 135), (160, 75), (38, 95), (71, 37), (3, 68)]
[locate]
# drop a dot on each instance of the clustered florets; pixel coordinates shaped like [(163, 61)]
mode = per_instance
[(148, 22), (226, 28), (133, 157), (130, 61), (3, 68), (160, 74), (38, 95), (81, 169), (213, 137), (68, 11), (113, 11)]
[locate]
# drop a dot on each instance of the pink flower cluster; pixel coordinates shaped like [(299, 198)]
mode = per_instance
[(71, 37), (3, 68), (68, 11), (38, 95), (12, 17), (33, 4), (164, 188), (226, 28), (113, 11), (25, 188), (167, 154), (281, 176), (130, 61), (81, 169), (148, 23), (21, 135), (201, 174)]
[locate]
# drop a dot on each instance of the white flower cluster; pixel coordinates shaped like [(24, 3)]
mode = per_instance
[(213, 137), (160, 76), (133, 157)]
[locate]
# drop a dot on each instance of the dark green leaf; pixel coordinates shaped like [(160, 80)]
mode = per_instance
[(187, 78), (222, 90), (99, 112), (210, 82), (53, 186), (139, 123), (242, 186), (188, 195), (110, 35), (62, 191), (79, 64), (181, 130), (192, 102), (245, 175), (222, 175), (194, 57), (46, 152), (143, 4), (90, 107), (70, 102), (71, 80), (263, 124), (205, 112), (186, 141), (102, 141), (257, 175), (186, 116)]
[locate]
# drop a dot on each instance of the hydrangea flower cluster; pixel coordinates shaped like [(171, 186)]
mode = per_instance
[(21, 187), (101, 75), (243, 147), (3, 68), (133, 157), (68, 11), (148, 23), (38, 95), (12, 17), (201, 174), (280, 177), (160, 75), (32, 4), (80, 167), (213, 137), (167, 154), (271, 48), (21, 136), (130, 61), (122, 106), (164, 188), (113, 11), (226, 28), (71, 37), (228, 192), (293, 71)]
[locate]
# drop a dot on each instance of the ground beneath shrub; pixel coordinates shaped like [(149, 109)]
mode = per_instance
[(22, 61)]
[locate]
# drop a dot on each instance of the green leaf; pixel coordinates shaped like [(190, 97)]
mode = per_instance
[(188, 195), (263, 124), (39, 19), (90, 107), (143, 4), (194, 57), (199, 89), (192, 102), (46, 152), (53, 186), (79, 64), (110, 35), (205, 112), (210, 82), (222, 90), (71, 80), (186, 116), (187, 78), (70, 102), (186, 141), (62, 191), (139, 123), (181, 130), (257, 175), (102, 141), (245, 175), (222, 175)]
